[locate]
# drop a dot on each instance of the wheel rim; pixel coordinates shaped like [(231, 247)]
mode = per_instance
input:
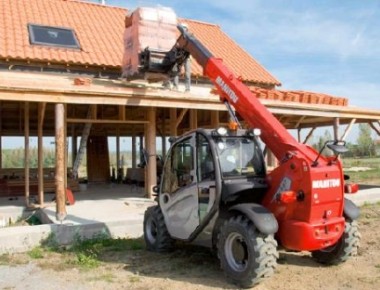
[(236, 252), (151, 230)]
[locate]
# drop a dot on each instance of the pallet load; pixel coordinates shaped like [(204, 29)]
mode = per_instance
[(147, 27)]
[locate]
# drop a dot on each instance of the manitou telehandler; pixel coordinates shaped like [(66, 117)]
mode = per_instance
[(215, 190)]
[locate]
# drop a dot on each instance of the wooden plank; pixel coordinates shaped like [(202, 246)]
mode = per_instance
[(96, 121)]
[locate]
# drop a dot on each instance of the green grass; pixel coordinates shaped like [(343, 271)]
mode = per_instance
[(371, 176), (107, 277), (88, 253), (36, 253)]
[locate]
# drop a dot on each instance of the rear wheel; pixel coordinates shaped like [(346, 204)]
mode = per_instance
[(246, 255), (346, 247), (156, 234)]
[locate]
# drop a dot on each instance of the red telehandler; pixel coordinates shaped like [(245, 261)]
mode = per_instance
[(215, 190)]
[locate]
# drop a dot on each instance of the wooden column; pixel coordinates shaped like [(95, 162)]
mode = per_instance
[(193, 119), (74, 145), (214, 122), (1, 134), (60, 162), (173, 122), (151, 149), (163, 137), (134, 148), (41, 116), (26, 152), (65, 145), (118, 163), (336, 128)]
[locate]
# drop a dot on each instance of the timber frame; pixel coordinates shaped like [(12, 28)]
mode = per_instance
[(37, 104)]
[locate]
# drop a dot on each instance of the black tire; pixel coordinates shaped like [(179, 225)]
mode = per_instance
[(346, 247), (246, 255), (156, 235)]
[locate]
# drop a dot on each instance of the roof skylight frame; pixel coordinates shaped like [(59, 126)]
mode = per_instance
[(54, 31)]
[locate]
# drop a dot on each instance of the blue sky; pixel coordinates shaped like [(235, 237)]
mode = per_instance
[(328, 46)]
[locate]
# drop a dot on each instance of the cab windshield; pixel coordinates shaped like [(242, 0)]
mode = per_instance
[(239, 157)]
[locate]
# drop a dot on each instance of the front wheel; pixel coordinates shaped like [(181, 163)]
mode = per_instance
[(156, 235), (246, 255), (346, 247)]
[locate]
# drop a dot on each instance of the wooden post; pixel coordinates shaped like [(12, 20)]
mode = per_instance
[(173, 122), (41, 116), (1, 149), (336, 128), (214, 122), (60, 162), (1, 134), (163, 137), (133, 148), (118, 163), (74, 145), (66, 147), (193, 119), (26, 152), (151, 149)]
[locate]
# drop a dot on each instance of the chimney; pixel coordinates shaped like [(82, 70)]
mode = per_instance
[(103, 2)]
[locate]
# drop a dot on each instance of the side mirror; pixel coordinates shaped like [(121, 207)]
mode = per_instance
[(337, 148)]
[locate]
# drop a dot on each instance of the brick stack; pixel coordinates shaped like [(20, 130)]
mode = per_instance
[(155, 28)]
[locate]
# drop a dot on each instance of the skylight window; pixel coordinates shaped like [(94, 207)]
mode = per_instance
[(52, 36)]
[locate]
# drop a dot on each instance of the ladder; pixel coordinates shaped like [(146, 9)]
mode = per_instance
[(83, 144)]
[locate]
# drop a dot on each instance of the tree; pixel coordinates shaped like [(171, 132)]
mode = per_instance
[(321, 142), (366, 145)]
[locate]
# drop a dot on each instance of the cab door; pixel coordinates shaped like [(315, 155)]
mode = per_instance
[(179, 192)]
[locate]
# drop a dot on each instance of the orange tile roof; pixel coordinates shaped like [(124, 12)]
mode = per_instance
[(99, 30), (235, 58), (97, 27)]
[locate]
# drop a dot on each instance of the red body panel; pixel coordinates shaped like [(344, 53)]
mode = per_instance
[(315, 220)]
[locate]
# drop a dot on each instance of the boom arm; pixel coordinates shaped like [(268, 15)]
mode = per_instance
[(246, 103)]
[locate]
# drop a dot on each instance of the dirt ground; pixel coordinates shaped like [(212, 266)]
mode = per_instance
[(191, 267)]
